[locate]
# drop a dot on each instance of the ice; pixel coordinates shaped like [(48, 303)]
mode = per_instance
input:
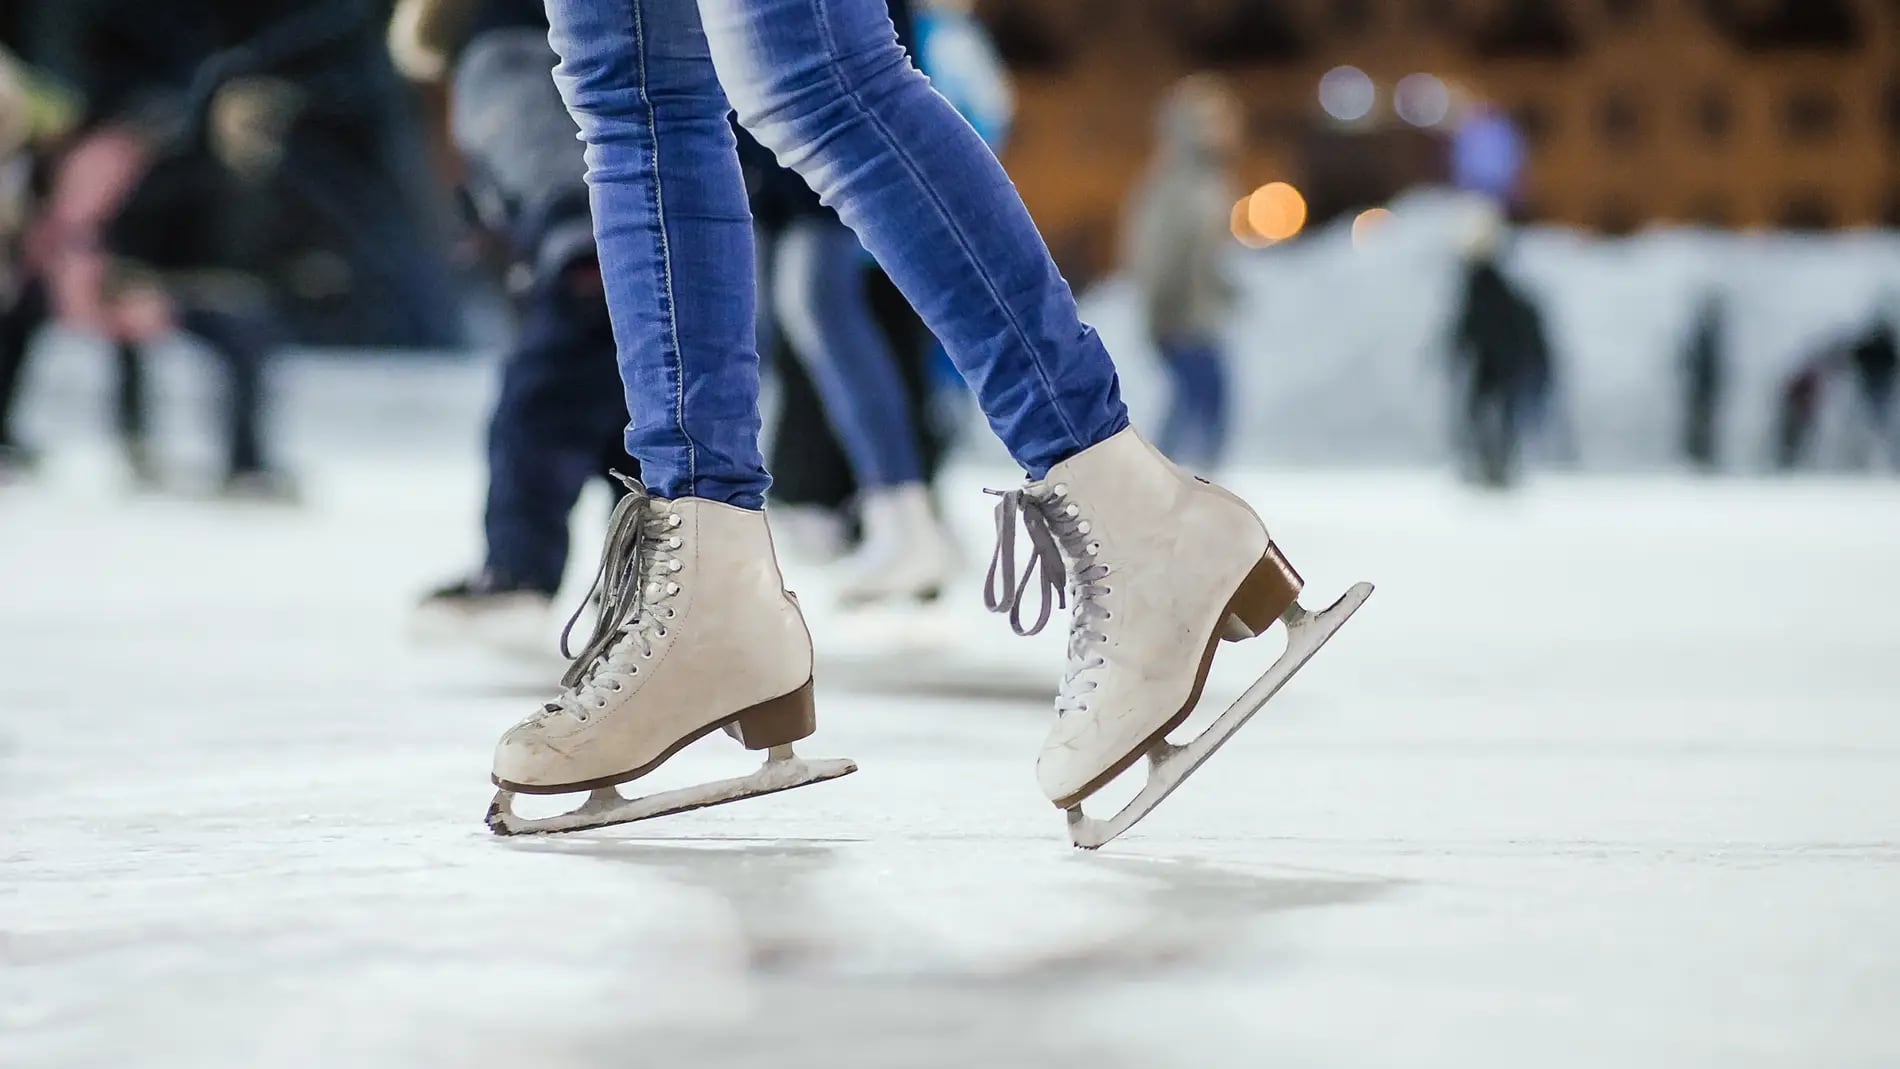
[(1607, 773)]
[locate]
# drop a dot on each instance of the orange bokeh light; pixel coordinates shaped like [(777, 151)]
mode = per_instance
[(1243, 227), (1276, 212)]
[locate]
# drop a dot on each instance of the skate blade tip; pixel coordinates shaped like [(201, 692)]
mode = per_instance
[(1347, 603)]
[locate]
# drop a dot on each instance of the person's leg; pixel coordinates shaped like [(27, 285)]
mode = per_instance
[(826, 86), (1177, 425), (242, 343), (1217, 406), (544, 439), (823, 309), (1196, 428), (19, 323), (695, 629), (132, 412), (911, 342), (675, 239), (809, 467)]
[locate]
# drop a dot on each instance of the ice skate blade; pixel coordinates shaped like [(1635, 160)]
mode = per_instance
[(1169, 765), (605, 806)]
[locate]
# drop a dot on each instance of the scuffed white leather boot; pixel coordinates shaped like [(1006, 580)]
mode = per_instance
[(696, 632), (905, 555), (1160, 567)]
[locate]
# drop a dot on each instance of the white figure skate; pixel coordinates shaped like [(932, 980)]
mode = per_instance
[(1162, 567), (905, 557), (696, 632)]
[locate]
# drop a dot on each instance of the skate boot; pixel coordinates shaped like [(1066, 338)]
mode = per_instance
[(489, 610), (1161, 566), (810, 534), (695, 632), (17, 462), (905, 556), (261, 486)]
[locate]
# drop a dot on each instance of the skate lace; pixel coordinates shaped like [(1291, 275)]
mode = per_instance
[(1057, 531), (632, 581)]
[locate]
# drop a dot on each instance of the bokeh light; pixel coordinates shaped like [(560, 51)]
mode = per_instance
[(1422, 99), (1368, 224), (1242, 226), (1276, 211), (1347, 94)]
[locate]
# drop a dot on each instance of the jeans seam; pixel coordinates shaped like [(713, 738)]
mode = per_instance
[(675, 356), (896, 148)]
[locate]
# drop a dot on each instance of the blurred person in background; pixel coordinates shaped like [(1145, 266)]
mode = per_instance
[(956, 51), (816, 298), (813, 486), (159, 213), (1876, 361), (1871, 362), (1501, 354), (29, 120), (1704, 375), (558, 416), (36, 115), (353, 256), (1797, 407), (1178, 246)]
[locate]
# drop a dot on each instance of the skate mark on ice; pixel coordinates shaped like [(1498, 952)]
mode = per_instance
[(1189, 912), (770, 886)]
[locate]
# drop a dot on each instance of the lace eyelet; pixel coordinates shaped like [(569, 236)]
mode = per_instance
[(677, 566), (1061, 489), (662, 632), (675, 542), (673, 520)]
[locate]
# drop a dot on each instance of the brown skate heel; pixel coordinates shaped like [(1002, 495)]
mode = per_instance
[(1269, 591), (778, 722)]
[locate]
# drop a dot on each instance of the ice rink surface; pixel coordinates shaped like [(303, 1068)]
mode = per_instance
[(1607, 773)]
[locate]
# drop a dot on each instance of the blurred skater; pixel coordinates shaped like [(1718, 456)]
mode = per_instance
[(1870, 360), (1875, 358), (1704, 375), (1178, 246), (167, 212), (558, 416), (1503, 360), (35, 116)]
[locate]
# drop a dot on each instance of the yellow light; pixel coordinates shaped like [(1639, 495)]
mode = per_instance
[(1243, 227), (1276, 211), (1368, 225)]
